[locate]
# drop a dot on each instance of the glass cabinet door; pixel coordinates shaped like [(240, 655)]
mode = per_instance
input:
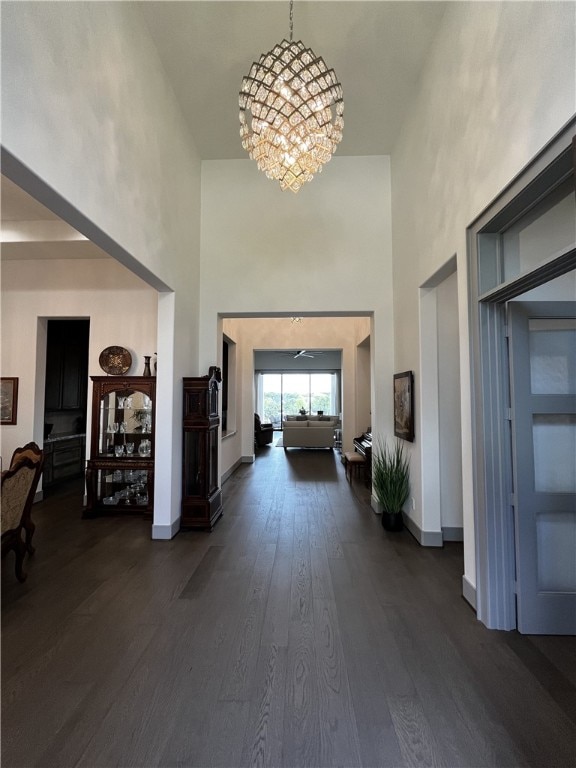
[(122, 487), (213, 459), (193, 463), (126, 425)]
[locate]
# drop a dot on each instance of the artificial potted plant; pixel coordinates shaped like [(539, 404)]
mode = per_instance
[(391, 482)]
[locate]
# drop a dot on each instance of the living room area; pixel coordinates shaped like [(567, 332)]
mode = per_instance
[(297, 389), (267, 374)]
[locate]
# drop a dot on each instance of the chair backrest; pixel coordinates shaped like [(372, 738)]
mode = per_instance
[(18, 489), (29, 451)]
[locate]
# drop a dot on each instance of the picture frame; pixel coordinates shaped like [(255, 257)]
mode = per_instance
[(404, 405), (8, 399)]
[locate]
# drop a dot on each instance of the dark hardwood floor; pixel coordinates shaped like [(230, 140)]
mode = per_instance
[(297, 634)]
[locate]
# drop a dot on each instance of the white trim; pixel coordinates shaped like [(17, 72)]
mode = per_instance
[(454, 533), (429, 396), (468, 592), (165, 532), (229, 472), (424, 538), (429, 409)]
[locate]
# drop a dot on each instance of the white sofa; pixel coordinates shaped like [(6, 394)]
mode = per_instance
[(309, 431)]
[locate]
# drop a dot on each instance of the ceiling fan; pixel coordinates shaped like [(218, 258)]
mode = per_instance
[(302, 353)]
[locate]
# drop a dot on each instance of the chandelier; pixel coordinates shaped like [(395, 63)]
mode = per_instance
[(291, 113)]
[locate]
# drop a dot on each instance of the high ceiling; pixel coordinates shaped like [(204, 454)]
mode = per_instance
[(377, 48)]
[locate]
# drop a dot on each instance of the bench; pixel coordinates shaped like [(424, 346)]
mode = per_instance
[(355, 463)]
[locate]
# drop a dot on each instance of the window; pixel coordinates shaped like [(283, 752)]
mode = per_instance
[(285, 394)]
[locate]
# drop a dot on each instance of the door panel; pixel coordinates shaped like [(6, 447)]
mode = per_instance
[(543, 406)]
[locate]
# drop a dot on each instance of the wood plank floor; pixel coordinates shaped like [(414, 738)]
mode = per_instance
[(297, 634)]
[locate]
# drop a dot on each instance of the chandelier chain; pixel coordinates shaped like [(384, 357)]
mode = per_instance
[(291, 19)]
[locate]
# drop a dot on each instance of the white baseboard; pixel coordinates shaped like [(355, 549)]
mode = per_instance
[(424, 538), (453, 533), (468, 592), (165, 532), (230, 472)]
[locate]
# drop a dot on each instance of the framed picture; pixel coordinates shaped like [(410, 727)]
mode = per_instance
[(8, 399), (404, 405)]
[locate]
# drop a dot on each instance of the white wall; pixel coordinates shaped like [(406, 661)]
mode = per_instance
[(499, 83), (326, 250), (449, 421), (121, 309), (86, 107), (260, 333), (363, 387), (231, 445)]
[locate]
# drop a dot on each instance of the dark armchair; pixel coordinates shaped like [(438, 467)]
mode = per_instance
[(263, 433)]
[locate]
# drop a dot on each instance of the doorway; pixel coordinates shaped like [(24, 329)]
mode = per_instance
[(523, 247), (65, 402), (441, 433), (273, 345)]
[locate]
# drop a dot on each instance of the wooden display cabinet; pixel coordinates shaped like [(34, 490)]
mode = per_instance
[(120, 472), (201, 496)]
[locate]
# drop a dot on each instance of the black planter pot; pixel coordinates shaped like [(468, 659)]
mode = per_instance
[(392, 521)]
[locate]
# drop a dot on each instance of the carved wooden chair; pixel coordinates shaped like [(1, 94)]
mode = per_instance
[(35, 454), (18, 488)]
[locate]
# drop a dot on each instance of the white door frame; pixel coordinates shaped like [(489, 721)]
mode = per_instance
[(429, 409)]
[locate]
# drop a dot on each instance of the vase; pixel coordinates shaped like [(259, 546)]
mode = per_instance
[(392, 521), (147, 371)]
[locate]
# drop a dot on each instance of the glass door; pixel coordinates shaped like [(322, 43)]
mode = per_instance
[(126, 426), (295, 393), (286, 394), (543, 398), (271, 399)]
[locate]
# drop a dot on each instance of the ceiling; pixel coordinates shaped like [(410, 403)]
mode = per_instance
[(17, 205), (377, 48), (32, 231)]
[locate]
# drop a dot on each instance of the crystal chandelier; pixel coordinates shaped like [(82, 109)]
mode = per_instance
[(291, 113)]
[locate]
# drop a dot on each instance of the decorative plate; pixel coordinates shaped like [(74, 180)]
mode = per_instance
[(115, 360)]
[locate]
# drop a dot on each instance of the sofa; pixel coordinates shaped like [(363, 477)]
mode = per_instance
[(309, 431)]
